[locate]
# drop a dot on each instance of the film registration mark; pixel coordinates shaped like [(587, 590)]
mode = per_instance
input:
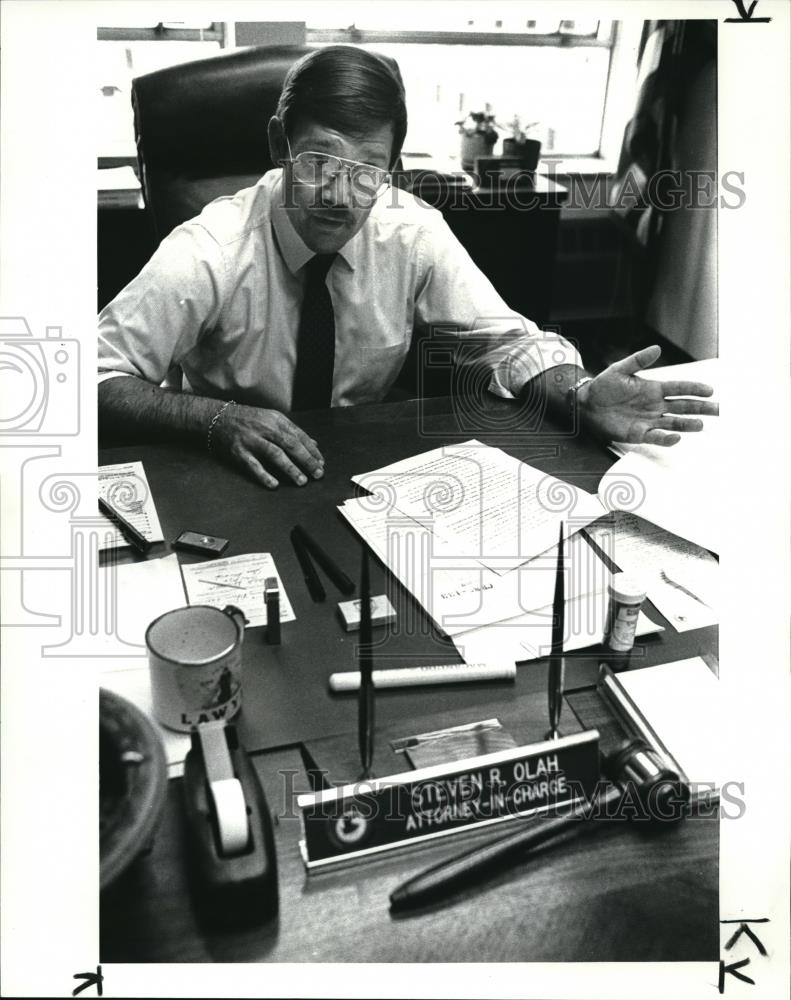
[(363, 819)]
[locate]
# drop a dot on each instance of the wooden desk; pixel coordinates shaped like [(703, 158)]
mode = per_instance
[(614, 894)]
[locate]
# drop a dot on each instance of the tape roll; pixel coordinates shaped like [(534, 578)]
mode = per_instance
[(231, 815)]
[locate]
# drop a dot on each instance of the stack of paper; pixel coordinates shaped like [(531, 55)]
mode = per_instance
[(471, 533), (480, 504)]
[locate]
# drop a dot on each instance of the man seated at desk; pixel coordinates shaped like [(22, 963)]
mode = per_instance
[(304, 291)]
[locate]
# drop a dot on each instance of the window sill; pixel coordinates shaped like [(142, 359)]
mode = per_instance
[(577, 166)]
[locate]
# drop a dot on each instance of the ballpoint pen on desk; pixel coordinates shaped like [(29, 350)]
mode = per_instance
[(556, 661), (315, 586), (330, 567), (365, 721), (129, 531)]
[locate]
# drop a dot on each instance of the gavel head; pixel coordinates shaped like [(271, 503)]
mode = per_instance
[(661, 791)]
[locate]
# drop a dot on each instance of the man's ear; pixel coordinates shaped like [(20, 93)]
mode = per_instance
[(278, 146)]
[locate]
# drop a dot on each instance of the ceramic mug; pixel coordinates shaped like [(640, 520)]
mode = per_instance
[(195, 659)]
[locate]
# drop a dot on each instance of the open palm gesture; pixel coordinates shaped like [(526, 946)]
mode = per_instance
[(619, 406)]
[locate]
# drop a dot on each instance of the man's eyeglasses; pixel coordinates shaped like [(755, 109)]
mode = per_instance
[(320, 169)]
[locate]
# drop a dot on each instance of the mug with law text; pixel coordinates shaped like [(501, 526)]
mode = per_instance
[(195, 659)]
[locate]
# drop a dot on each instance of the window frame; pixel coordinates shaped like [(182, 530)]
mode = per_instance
[(610, 35), (366, 36), (165, 32)]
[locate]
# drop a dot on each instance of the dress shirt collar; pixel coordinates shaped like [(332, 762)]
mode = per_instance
[(295, 253)]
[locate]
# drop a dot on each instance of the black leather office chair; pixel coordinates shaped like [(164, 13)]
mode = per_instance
[(200, 128)]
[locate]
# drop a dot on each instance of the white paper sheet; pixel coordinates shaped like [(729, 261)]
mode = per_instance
[(459, 595), (149, 589), (683, 703), (644, 550), (529, 636), (129, 597), (682, 485), (125, 487), (481, 504), (238, 580), (681, 496)]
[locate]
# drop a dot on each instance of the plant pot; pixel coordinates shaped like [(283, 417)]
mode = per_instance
[(527, 152), (473, 146)]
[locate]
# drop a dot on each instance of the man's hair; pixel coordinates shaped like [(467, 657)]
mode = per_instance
[(347, 89)]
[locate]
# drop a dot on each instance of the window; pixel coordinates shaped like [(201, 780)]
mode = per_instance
[(551, 74), (128, 50), (559, 77)]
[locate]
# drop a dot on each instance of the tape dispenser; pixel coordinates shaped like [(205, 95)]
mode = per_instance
[(229, 827)]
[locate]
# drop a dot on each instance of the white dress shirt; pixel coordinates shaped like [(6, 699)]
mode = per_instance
[(221, 298)]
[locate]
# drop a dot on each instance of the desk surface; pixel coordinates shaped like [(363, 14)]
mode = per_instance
[(614, 894)]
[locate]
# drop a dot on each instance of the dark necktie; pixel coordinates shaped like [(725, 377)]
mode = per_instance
[(315, 339)]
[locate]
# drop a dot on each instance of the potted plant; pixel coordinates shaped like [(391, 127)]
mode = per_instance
[(519, 145), (478, 136)]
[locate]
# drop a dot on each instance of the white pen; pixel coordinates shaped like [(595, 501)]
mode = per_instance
[(441, 673)]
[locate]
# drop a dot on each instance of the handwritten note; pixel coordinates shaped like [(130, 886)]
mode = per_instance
[(681, 578), (237, 580)]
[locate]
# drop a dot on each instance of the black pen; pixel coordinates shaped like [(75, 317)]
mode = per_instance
[(556, 660), (314, 585), (129, 531), (365, 720), (442, 879), (330, 567)]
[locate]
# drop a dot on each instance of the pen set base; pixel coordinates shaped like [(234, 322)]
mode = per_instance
[(335, 760)]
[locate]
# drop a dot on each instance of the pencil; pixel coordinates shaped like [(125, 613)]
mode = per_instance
[(129, 531)]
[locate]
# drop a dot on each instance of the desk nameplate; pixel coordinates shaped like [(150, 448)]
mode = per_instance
[(359, 820)]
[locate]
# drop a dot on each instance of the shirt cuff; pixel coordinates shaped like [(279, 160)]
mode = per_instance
[(529, 359), (105, 375)]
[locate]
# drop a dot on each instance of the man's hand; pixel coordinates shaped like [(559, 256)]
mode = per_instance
[(250, 437), (619, 406)]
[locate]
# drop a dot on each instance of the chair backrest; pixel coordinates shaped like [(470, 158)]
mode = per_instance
[(201, 126)]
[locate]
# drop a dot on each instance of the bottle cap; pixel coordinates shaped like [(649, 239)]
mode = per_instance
[(629, 589)]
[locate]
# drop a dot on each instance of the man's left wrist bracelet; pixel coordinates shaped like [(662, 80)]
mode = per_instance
[(215, 420), (571, 396)]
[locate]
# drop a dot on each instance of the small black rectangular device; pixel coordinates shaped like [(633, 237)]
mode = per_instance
[(200, 542)]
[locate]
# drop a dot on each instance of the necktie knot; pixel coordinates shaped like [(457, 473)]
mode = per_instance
[(318, 266)]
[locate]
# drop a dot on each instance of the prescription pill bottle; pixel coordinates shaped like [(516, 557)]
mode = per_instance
[(627, 594)]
